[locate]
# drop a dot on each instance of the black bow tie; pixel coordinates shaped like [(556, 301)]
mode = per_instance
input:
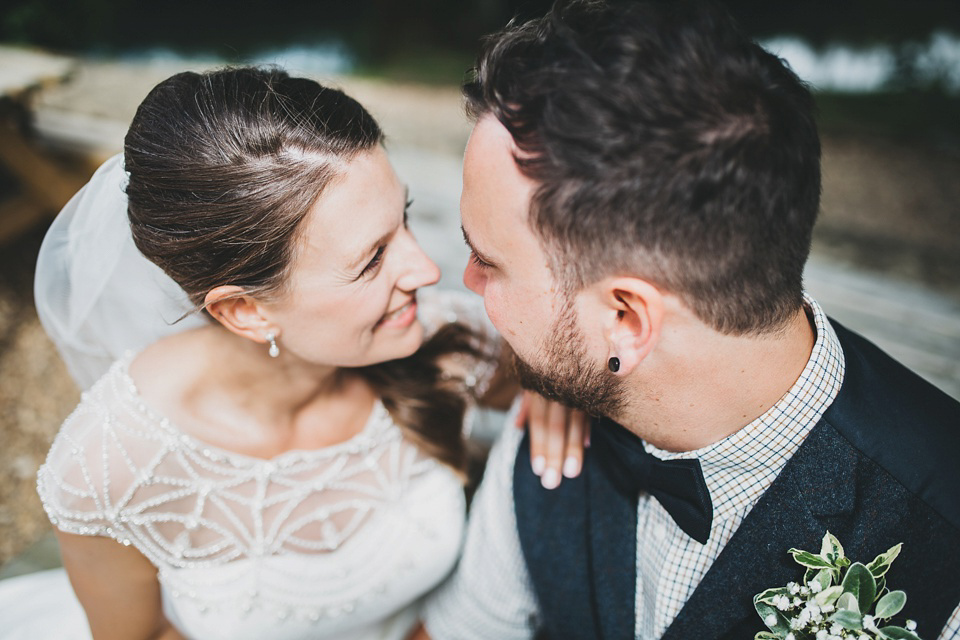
[(677, 485)]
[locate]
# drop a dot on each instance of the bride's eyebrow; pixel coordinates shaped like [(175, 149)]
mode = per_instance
[(372, 248), (379, 242)]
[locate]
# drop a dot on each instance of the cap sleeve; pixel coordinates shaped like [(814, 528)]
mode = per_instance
[(94, 466), (442, 307)]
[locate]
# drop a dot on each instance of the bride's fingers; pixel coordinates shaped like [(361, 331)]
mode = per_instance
[(537, 425), (573, 456), (524, 412), (555, 446), (558, 436)]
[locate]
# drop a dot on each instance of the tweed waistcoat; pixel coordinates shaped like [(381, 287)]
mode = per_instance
[(882, 466)]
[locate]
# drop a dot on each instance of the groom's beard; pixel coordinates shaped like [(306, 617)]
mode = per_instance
[(566, 375)]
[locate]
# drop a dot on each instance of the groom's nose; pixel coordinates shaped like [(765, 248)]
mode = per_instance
[(474, 277)]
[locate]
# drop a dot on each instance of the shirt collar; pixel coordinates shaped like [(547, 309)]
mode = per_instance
[(739, 468)]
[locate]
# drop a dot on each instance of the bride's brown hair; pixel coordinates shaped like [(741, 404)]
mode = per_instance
[(224, 167)]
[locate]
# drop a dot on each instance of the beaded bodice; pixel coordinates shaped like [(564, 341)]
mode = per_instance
[(323, 540)]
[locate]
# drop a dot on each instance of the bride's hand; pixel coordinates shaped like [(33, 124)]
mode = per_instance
[(558, 436)]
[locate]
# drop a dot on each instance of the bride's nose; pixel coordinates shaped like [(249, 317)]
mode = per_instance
[(417, 269)]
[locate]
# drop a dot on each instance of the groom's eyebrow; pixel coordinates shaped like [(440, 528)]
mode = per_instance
[(480, 254)]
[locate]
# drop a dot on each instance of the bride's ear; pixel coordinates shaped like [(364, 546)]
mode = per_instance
[(238, 312)]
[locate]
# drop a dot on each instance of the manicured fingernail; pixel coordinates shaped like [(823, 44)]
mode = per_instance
[(571, 467), (539, 464), (550, 479)]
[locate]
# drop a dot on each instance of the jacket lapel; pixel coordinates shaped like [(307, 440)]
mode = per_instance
[(554, 535), (812, 494), (612, 545)]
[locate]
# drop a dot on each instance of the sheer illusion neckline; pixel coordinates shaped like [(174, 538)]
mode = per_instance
[(377, 421)]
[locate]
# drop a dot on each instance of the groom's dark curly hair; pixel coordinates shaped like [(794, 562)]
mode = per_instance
[(666, 145)]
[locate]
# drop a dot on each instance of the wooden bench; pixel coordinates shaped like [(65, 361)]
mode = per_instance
[(46, 181)]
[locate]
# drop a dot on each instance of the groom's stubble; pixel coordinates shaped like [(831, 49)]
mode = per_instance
[(566, 374)]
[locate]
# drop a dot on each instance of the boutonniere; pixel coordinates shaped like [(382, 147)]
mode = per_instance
[(836, 601)]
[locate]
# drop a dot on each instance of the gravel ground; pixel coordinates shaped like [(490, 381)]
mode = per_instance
[(36, 394), (890, 209)]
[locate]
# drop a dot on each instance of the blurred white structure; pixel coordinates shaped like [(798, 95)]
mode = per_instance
[(848, 69)]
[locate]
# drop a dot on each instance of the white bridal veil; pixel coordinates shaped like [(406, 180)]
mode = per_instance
[(96, 295)]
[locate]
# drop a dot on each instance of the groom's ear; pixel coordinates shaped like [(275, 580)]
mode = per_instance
[(633, 310), (239, 312)]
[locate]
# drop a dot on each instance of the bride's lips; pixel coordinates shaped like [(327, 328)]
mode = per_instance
[(401, 317)]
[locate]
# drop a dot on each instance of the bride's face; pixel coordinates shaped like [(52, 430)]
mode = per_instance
[(351, 299)]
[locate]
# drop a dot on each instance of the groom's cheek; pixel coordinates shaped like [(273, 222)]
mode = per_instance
[(500, 316)]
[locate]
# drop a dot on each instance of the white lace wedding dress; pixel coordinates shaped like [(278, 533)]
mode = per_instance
[(340, 542)]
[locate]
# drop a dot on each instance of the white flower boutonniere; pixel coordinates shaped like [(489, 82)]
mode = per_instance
[(836, 600)]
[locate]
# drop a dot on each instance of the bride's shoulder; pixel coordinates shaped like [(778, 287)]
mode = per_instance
[(119, 405), (168, 366), (445, 306), (439, 307), (99, 450)]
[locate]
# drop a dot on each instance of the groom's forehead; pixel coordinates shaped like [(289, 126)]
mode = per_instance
[(492, 179), (491, 147), (496, 200)]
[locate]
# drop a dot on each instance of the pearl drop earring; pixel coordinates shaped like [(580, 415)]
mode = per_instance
[(274, 350)]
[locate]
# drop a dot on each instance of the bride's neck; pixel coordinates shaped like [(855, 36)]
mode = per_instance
[(280, 387), (245, 367), (229, 391)]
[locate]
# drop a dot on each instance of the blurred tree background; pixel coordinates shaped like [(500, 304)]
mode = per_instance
[(434, 41), (381, 28)]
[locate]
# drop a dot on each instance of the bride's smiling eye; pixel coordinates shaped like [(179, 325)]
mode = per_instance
[(373, 264), (377, 259)]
